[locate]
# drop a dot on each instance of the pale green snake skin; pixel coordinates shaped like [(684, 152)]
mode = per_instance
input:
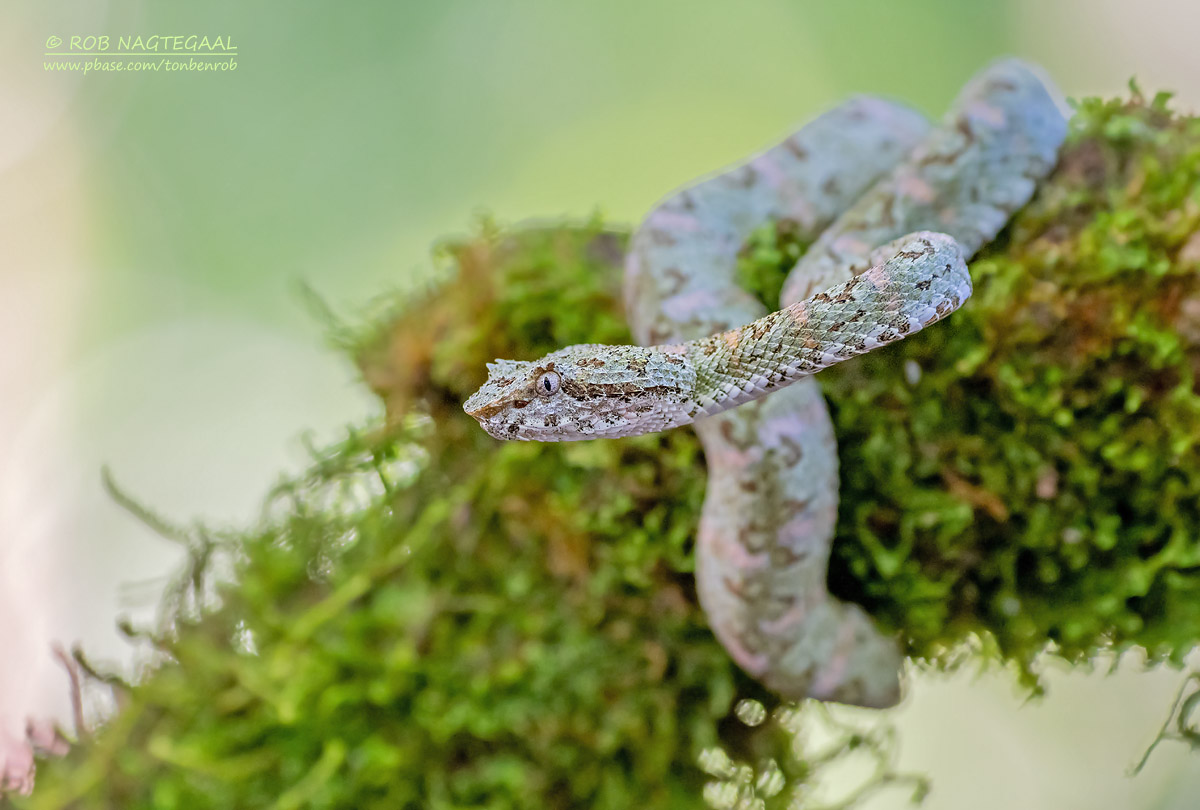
[(896, 209)]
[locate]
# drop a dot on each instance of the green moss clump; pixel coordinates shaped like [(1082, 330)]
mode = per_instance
[(763, 262), (438, 620), (1029, 473), (430, 618)]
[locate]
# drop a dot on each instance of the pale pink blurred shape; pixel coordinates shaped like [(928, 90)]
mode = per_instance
[(16, 763), (41, 289), (17, 767)]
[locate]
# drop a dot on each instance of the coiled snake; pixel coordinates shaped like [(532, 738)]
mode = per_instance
[(896, 209)]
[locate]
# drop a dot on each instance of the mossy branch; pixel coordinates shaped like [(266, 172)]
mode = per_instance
[(427, 618)]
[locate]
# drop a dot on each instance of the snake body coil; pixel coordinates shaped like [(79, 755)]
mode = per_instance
[(896, 209)]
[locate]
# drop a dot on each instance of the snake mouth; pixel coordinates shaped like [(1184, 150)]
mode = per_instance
[(489, 413), (481, 409), (494, 428)]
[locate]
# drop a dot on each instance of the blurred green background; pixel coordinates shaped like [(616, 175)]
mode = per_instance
[(155, 228)]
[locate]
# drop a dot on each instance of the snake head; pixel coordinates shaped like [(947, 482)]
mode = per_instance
[(587, 391)]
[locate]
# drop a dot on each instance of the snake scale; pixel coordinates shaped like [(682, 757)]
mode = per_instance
[(895, 207)]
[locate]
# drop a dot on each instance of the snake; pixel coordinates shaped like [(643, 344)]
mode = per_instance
[(893, 207)]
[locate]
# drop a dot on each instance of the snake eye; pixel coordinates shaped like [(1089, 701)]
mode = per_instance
[(547, 384)]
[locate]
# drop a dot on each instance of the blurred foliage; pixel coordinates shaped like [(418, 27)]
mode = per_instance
[(430, 618), (1181, 724)]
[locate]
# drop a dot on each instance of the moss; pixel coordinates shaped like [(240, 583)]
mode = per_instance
[(764, 260), (1029, 473), (429, 618)]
